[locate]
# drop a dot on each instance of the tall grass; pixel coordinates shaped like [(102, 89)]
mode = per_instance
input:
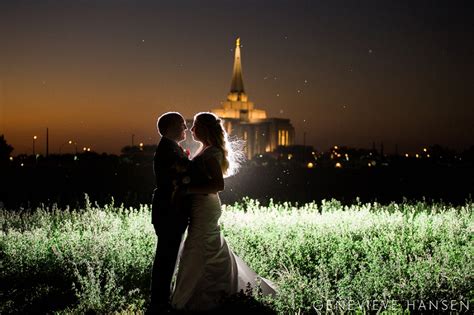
[(99, 258)]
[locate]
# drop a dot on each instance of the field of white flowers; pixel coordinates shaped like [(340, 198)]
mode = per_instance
[(319, 254)]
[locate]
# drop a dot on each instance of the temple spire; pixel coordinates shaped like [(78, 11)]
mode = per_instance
[(237, 82)]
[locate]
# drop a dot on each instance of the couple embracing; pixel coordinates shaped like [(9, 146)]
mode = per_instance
[(186, 197)]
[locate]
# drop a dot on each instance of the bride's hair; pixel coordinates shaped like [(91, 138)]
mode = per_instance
[(215, 134)]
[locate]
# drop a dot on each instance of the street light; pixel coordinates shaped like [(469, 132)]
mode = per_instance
[(67, 142), (34, 141)]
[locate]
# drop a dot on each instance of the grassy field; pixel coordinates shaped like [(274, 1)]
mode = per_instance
[(324, 257)]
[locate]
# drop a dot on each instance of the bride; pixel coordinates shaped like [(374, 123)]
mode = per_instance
[(208, 269)]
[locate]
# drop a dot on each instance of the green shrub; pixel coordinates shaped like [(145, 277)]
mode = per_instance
[(99, 259)]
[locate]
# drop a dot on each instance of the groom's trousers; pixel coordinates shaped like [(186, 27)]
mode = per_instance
[(166, 254)]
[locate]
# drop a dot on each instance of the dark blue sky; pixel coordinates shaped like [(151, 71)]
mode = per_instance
[(344, 72)]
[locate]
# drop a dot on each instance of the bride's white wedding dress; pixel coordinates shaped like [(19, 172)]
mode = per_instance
[(208, 269)]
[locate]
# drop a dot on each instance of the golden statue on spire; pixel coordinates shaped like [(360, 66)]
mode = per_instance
[(237, 42)]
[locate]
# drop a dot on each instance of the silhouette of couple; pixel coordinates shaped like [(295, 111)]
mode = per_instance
[(186, 197)]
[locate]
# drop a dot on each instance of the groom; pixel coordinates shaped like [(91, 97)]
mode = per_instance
[(169, 210)]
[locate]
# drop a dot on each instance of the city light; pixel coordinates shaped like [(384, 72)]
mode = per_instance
[(424, 149), (406, 154), (335, 147), (11, 158), (290, 156), (35, 137), (417, 156), (310, 165), (338, 165)]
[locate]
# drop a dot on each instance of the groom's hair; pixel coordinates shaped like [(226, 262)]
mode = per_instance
[(167, 120)]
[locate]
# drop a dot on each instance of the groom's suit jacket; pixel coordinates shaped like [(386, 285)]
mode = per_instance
[(166, 213)]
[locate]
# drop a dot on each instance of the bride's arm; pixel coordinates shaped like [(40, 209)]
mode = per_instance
[(215, 182)]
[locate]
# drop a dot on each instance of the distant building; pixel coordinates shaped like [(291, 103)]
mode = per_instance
[(242, 119)]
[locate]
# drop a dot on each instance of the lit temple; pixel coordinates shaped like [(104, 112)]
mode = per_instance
[(243, 120)]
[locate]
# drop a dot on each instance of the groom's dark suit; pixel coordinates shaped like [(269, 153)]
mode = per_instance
[(169, 217)]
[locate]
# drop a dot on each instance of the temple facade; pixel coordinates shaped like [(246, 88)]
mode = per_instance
[(243, 120)]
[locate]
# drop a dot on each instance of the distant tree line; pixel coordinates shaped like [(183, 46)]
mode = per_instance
[(27, 180)]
